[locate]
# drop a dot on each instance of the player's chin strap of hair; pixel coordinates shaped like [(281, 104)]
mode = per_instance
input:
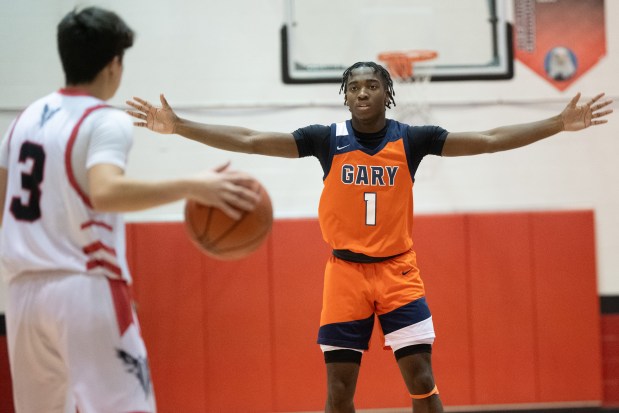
[(426, 395)]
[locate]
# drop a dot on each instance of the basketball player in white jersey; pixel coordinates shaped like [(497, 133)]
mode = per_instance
[(73, 338)]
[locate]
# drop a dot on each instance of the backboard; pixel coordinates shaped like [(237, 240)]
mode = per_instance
[(321, 38)]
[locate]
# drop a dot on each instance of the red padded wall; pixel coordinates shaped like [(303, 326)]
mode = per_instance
[(502, 309), (168, 285), (205, 322), (513, 297), (299, 256), (568, 325), (444, 270), (610, 354), (237, 342)]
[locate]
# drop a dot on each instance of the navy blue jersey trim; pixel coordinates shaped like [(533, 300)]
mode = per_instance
[(405, 316), (409, 158), (348, 255), (351, 334), (394, 132), (329, 161), (343, 143)]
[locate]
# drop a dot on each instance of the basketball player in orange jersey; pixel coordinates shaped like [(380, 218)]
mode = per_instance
[(73, 338), (365, 214)]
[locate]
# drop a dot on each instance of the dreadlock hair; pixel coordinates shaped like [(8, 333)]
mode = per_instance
[(382, 72)]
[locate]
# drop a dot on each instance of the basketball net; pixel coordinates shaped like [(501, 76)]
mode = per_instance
[(412, 104)]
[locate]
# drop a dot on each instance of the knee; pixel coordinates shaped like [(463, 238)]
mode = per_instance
[(342, 373), (341, 391), (417, 371), (423, 381), (423, 377)]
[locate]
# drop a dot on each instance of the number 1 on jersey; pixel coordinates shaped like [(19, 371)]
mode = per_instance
[(370, 208)]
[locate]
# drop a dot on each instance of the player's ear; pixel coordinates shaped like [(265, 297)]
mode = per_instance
[(113, 65), (116, 60)]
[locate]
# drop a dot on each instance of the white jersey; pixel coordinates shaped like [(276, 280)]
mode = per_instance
[(49, 224)]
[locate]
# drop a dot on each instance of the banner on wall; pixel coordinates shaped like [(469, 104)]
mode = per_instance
[(560, 40)]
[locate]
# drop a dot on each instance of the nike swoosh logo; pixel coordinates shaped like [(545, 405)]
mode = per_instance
[(406, 272), (342, 147)]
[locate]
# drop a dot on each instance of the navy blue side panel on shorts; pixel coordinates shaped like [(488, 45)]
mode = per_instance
[(405, 316), (351, 334)]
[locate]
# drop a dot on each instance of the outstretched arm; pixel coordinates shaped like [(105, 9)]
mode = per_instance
[(574, 117), (230, 138), (111, 191)]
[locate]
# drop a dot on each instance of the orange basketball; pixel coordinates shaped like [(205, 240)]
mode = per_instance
[(224, 238)]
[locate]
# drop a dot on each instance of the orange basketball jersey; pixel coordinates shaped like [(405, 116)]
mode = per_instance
[(366, 205)]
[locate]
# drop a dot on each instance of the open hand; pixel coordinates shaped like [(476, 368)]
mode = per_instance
[(161, 120), (227, 190), (576, 117)]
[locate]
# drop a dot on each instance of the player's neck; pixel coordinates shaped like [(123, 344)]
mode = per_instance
[(90, 89), (369, 125), (78, 90), (103, 86)]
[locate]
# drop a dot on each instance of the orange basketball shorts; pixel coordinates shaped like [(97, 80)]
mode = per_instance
[(355, 293)]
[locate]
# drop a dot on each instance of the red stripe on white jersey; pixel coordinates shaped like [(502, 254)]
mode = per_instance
[(101, 263), (67, 158), (73, 92), (122, 304), (97, 223), (98, 246)]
